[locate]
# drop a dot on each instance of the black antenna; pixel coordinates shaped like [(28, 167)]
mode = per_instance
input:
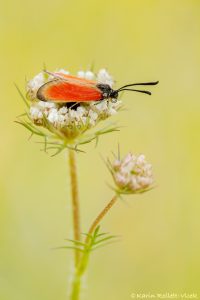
[(140, 91), (142, 83)]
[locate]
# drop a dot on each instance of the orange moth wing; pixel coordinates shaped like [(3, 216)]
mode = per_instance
[(74, 78), (69, 89)]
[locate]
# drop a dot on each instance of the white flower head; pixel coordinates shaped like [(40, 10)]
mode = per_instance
[(132, 174), (104, 77), (34, 84), (63, 71), (86, 74)]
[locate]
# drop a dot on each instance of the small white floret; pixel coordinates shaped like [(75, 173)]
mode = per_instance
[(104, 77), (89, 75)]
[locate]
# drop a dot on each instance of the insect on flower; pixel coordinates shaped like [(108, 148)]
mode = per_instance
[(64, 88)]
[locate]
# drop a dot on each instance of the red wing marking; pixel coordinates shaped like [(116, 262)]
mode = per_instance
[(59, 90)]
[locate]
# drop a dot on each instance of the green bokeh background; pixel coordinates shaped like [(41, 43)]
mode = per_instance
[(137, 41)]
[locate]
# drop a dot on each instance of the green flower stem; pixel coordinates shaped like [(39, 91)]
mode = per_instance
[(76, 288), (83, 263), (76, 284), (75, 202)]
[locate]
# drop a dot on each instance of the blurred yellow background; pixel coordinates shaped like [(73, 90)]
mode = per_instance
[(136, 41)]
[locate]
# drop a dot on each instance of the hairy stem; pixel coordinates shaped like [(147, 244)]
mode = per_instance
[(75, 201), (101, 216)]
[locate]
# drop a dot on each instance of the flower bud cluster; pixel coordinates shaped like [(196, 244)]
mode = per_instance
[(132, 174)]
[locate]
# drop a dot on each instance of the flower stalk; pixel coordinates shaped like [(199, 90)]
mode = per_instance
[(75, 201), (101, 216), (89, 240)]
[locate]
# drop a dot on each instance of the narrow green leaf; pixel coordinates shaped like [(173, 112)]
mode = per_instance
[(105, 239), (96, 231), (29, 128), (45, 144), (103, 245), (97, 141), (22, 96), (70, 247), (30, 136), (76, 242), (22, 115), (101, 234), (57, 152)]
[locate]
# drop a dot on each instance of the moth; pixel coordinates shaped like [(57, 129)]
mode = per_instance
[(64, 88)]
